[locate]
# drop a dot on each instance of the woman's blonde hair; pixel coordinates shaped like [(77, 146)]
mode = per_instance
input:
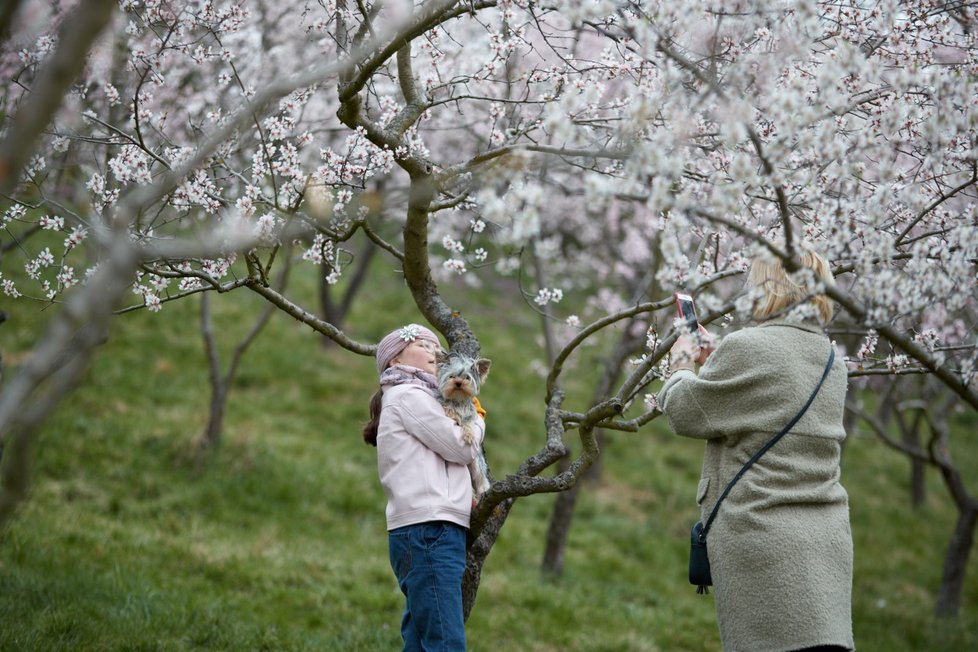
[(780, 291)]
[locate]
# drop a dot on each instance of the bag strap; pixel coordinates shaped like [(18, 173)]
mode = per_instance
[(767, 446)]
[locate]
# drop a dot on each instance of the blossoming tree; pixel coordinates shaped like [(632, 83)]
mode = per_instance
[(194, 144)]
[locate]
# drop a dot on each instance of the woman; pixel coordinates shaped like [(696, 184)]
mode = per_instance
[(780, 547), (422, 462)]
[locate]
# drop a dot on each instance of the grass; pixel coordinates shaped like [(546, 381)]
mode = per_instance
[(279, 543)]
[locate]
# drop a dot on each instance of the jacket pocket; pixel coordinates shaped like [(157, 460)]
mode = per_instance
[(701, 490)]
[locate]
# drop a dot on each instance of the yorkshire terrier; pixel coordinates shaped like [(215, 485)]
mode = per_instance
[(459, 380)]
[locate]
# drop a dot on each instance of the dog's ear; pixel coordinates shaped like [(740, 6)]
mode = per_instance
[(441, 357), (482, 365)]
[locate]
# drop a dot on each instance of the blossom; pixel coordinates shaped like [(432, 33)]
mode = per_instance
[(9, 289), (265, 227), (189, 284), (52, 222), (36, 164), (66, 277), (159, 283), (322, 249), (928, 338), (152, 302), (455, 265), (15, 212), (897, 361), (547, 295), (131, 164), (452, 245), (651, 402), (77, 235), (868, 345), (217, 269)]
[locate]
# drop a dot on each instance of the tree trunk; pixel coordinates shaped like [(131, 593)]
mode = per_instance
[(559, 530), (221, 382), (476, 553), (918, 490), (215, 419), (910, 434), (956, 562), (219, 390), (563, 511)]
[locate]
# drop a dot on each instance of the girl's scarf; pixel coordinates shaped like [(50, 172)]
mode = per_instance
[(399, 374)]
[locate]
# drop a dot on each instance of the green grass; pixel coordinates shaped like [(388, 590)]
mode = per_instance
[(279, 543)]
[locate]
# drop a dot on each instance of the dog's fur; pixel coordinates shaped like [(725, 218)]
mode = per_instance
[(459, 379)]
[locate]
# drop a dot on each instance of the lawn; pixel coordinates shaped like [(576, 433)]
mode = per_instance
[(278, 543)]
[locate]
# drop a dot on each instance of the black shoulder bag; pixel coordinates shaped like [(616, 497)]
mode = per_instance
[(699, 562)]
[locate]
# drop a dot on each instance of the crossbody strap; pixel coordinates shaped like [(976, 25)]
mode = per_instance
[(767, 446)]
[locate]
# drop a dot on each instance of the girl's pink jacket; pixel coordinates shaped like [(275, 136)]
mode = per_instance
[(422, 459)]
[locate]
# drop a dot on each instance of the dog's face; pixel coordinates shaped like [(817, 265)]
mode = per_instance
[(460, 377)]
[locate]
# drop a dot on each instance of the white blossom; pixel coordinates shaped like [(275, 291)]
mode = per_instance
[(547, 295), (454, 265)]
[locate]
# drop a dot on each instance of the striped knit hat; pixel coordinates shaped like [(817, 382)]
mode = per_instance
[(396, 341)]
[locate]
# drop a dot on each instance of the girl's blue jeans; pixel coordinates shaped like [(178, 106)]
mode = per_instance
[(428, 560)]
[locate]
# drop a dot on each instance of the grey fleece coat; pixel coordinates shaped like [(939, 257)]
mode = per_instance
[(780, 547)]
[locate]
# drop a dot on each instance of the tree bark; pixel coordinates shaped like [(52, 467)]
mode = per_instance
[(956, 562), (911, 438), (563, 511), (221, 382), (558, 531)]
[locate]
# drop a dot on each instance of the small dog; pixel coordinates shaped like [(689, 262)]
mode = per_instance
[(459, 379)]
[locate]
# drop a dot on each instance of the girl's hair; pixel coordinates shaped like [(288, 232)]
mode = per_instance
[(370, 428), (781, 291)]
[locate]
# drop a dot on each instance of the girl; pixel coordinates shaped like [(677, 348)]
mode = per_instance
[(422, 460)]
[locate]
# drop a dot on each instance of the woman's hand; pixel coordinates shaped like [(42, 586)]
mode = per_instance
[(688, 350), (706, 345)]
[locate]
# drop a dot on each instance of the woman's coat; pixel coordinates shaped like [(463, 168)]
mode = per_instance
[(780, 547)]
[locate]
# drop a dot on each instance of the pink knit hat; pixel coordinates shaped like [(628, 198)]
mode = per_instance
[(396, 341)]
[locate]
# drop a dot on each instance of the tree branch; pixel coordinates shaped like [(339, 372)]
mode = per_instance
[(937, 202), (75, 37), (311, 320)]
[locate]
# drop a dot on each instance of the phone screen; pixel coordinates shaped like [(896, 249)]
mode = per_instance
[(687, 311)]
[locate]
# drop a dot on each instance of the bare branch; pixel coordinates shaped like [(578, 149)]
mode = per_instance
[(311, 320)]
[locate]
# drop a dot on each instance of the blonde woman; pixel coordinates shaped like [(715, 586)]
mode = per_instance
[(780, 545)]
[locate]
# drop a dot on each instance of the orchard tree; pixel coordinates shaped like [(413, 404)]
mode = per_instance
[(617, 149)]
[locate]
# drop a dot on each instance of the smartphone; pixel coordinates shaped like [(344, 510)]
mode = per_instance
[(687, 310)]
